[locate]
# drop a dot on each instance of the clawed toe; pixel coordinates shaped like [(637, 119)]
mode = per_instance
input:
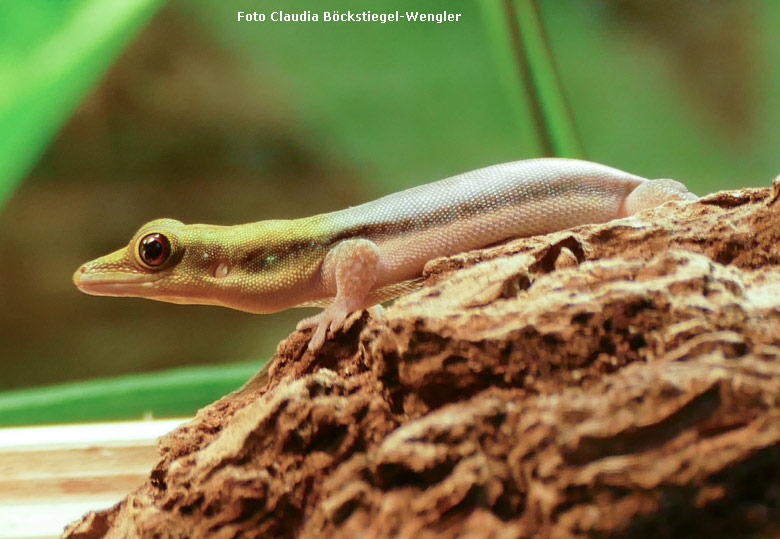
[(338, 322), (318, 339), (333, 318), (309, 322)]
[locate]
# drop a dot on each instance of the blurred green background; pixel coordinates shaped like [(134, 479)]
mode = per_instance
[(115, 113)]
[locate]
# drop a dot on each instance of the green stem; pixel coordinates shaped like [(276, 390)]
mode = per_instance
[(548, 90)]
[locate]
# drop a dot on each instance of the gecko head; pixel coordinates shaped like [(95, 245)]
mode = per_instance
[(250, 269), (169, 261), (144, 267)]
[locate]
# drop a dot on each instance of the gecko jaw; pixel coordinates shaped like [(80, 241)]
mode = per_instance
[(113, 283)]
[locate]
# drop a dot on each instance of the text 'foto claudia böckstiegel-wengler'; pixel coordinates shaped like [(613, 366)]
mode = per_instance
[(348, 16)]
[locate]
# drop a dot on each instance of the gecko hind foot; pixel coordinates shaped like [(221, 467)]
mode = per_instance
[(653, 193)]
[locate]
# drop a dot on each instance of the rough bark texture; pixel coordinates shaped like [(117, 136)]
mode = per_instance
[(619, 379)]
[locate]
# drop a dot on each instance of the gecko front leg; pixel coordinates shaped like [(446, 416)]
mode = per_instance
[(353, 265)]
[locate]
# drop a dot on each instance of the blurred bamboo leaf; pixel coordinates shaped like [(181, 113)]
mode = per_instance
[(173, 393), (513, 74), (50, 55), (558, 124), (527, 67)]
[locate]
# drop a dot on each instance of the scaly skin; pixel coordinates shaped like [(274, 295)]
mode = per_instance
[(351, 259)]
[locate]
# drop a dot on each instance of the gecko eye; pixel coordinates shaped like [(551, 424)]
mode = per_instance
[(154, 250)]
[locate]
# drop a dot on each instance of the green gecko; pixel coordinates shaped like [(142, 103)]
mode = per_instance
[(349, 260)]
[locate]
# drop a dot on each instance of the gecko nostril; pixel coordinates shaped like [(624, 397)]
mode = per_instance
[(82, 269)]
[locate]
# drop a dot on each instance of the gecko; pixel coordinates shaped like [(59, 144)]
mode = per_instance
[(350, 260)]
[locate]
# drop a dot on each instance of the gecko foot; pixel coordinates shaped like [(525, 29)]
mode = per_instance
[(352, 265), (654, 193), (331, 319)]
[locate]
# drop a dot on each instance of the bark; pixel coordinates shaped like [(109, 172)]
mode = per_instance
[(620, 379)]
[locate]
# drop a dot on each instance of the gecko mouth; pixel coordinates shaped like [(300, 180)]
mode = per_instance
[(113, 283)]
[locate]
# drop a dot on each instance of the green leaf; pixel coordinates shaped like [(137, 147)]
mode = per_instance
[(50, 55), (173, 393)]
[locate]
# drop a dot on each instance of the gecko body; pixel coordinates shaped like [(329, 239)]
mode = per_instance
[(351, 259)]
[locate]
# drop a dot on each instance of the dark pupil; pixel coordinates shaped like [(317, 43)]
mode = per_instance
[(153, 249)]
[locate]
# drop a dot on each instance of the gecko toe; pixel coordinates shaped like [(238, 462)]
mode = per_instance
[(337, 322), (318, 339), (309, 322)]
